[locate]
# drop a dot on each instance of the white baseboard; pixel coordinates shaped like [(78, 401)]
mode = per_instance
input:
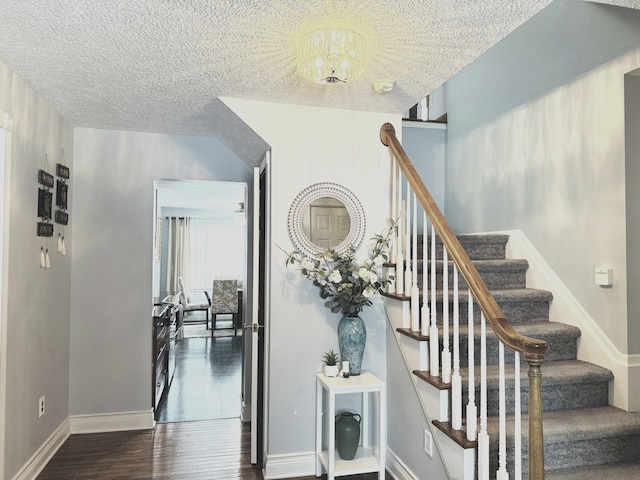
[(245, 412), (112, 422), (397, 468), (303, 465), (41, 457), (290, 465)]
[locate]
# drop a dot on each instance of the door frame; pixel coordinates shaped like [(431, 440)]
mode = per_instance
[(6, 124), (260, 314)]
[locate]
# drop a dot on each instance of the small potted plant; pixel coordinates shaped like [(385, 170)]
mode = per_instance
[(331, 359)]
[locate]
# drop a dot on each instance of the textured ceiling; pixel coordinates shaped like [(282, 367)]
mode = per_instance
[(160, 65)]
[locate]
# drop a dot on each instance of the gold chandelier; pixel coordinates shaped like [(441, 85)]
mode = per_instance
[(332, 52)]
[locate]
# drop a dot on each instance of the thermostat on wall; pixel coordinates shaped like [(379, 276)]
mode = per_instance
[(603, 276)]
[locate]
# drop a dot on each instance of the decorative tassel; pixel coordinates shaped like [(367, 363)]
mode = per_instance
[(42, 260), (59, 243), (64, 248), (47, 261)]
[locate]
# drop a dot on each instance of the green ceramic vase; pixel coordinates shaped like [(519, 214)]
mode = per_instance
[(347, 434)]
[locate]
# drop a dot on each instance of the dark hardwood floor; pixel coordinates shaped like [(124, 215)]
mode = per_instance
[(207, 380), (198, 450), (210, 449), (205, 390)]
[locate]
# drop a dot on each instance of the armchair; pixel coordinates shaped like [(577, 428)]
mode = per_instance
[(224, 301), (192, 307)]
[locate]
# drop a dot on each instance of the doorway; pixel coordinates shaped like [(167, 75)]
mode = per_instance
[(200, 234)]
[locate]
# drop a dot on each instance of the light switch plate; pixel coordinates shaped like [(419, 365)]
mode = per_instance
[(603, 276)]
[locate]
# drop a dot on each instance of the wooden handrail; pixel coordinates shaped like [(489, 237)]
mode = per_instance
[(532, 349)]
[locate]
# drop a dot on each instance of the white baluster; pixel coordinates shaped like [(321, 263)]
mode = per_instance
[(433, 329), (502, 473), (407, 249), (394, 212), (446, 354), (517, 431), (399, 256), (456, 379), (472, 410), (424, 325), (415, 291), (483, 436)]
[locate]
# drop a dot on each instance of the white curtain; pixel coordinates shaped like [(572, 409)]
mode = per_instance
[(178, 253), (217, 251)]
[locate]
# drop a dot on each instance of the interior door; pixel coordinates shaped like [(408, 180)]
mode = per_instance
[(258, 317)]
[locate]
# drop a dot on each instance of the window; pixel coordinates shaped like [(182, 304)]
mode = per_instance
[(217, 248)]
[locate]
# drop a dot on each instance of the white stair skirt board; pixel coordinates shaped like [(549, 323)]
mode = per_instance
[(434, 402), (460, 462), (112, 422), (411, 350), (594, 346), (47, 450), (397, 312)]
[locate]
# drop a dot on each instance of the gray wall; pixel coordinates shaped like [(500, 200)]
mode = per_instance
[(425, 145), (632, 180), (343, 146), (535, 141), (406, 420), (38, 301), (111, 280)]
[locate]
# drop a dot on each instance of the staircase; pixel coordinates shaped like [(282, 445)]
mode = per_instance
[(584, 437)]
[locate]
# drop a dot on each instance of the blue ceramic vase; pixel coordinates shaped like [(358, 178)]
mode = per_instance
[(352, 337)]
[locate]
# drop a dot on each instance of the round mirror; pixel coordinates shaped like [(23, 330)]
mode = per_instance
[(324, 216)]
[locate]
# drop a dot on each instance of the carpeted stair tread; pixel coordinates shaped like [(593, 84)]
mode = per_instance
[(507, 295), (477, 246), (565, 384), (491, 265), (522, 294), (481, 239), (497, 274), (613, 471), (532, 329), (553, 373), (578, 424), (561, 340), (577, 438), (584, 437), (520, 305), (596, 422)]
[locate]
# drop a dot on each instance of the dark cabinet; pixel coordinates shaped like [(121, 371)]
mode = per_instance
[(160, 353)]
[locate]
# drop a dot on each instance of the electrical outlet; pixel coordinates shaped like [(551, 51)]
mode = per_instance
[(41, 406), (428, 443)]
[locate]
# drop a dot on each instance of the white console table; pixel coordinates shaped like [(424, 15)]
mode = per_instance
[(369, 458)]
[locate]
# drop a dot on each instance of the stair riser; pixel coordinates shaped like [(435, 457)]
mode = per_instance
[(554, 397)]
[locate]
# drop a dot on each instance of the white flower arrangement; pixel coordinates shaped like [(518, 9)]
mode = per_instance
[(346, 286)]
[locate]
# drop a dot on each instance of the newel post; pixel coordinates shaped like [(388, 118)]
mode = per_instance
[(536, 444)]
